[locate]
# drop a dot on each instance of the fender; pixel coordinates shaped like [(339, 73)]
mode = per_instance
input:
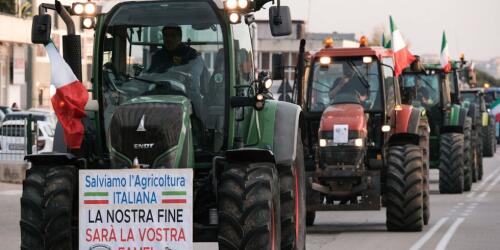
[(407, 122), (250, 154), (52, 159), (276, 128)]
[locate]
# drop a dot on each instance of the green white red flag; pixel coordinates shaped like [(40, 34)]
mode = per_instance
[(402, 55), (495, 110), (445, 55), (70, 98)]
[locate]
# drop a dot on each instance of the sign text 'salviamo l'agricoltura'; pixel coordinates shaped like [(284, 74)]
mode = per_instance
[(136, 209)]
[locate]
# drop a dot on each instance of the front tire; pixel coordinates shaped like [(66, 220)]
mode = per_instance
[(451, 166), (489, 140), (48, 208), (405, 189), (249, 207), (293, 202)]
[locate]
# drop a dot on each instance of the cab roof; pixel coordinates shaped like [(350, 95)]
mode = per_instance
[(378, 52), (106, 6)]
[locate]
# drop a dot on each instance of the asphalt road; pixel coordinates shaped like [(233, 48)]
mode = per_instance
[(467, 221)]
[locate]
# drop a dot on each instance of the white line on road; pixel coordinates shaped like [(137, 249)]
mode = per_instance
[(429, 234), (471, 194), (482, 195), (490, 187), (449, 234), (487, 179)]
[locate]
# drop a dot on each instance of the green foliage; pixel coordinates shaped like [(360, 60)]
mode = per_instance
[(8, 6), (483, 77)]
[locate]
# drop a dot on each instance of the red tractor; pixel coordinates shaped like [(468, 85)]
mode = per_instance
[(363, 147)]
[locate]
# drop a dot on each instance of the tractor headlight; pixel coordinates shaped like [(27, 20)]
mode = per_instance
[(78, 8), (323, 142), (242, 4), (268, 83), (358, 142), (231, 4), (325, 60), (386, 128), (88, 22), (90, 8), (234, 17)]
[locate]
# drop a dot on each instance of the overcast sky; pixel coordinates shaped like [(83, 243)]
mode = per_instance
[(472, 26)]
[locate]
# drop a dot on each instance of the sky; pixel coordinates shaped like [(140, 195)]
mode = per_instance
[(472, 26)]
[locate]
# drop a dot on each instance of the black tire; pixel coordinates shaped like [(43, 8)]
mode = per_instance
[(293, 202), (488, 140), (405, 189), (451, 165), (249, 207), (313, 197), (424, 144), (468, 154), (49, 208)]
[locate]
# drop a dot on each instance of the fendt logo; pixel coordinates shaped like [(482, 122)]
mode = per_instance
[(141, 127), (143, 145)]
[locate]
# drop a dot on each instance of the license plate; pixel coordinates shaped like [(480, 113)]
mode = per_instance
[(340, 133), (16, 146)]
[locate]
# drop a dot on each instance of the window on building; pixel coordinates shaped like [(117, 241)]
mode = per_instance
[(264, 63)]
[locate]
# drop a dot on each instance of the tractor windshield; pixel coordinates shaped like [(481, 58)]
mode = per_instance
[(345, 80), (469, 96), (165, 48), (425, 88)]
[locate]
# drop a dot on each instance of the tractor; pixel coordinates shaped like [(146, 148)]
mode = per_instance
[(206, 111), (363, 148), (492, 97), (475, 96), (452, 145)]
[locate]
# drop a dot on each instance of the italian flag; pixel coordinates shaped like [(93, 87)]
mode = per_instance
[(495, 109), (70, 98), (445, 55), (95, 198), (174, 197), (402, 56)]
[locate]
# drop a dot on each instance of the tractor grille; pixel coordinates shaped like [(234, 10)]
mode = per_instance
[(145, 130), (340, 155)]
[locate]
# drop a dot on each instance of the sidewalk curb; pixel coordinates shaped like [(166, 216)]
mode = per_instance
[(13, 171)]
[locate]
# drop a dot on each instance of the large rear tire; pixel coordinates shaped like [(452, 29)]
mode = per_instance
[(293, 202), (48, 208), (405, 189), (451, 166), (468, 154), (249, 207)]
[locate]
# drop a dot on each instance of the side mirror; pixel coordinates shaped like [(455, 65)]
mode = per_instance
[(280, 21), (40, 29), (278, 72)]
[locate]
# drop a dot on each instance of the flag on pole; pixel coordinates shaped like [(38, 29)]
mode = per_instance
[(402, 56), (386, 42), (70, 98), (495, 110), (445, 55)]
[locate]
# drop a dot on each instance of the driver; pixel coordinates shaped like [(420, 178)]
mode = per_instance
[(348, 84), (173, 53)]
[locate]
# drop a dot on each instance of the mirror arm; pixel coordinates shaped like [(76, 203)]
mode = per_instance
[(70, 25)]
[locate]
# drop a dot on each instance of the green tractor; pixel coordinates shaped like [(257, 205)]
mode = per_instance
[(451, 141), (483, 123), (205, 111)]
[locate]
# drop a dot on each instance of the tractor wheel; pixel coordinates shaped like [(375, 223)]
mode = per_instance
[(313, 197), (488, 141), (405, 189), (424, 144), (479, 164), (293, 202), (451, 166), (249, 207), (48, 207), (468, 154)]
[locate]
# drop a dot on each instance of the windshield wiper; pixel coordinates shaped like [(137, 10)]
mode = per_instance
[(359, 75)]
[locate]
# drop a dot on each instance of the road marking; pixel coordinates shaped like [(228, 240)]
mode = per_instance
[(429, 234), (12, 192), (487, 179), (482, 195), (449, 234), (471, 194), (495, 182)]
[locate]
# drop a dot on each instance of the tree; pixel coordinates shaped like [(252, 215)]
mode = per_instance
[(483, 77), (376, 37), (8, 6)]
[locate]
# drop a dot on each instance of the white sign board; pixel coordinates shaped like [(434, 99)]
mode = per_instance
[(340, 133), (136, 209), (19, 65)]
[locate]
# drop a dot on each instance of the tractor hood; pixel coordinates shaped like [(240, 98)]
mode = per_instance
[(352, 115), (152, 132)]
